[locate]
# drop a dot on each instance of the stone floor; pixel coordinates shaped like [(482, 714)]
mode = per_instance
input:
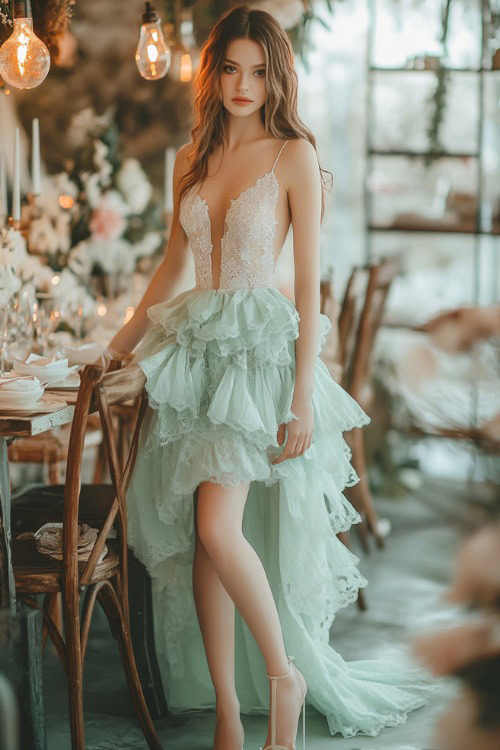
[(406, 581)]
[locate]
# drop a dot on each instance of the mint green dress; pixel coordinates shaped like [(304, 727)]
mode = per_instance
[(220, 367)]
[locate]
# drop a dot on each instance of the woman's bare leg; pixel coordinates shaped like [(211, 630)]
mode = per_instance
[(239, 568), (215, 610)]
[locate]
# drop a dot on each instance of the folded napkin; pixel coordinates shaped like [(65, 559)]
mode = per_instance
[(48, 369), (48, 540), (24, 384), (14, 390), (38, 360)]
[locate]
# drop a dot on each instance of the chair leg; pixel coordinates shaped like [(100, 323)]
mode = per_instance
[(142, 637), (54, 610), (360, 601), (363, 500), (108, 599), (100, 464), (54, 476), (74, 674)]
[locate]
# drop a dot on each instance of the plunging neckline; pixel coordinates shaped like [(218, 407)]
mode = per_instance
[(233, 201), (225, 226)]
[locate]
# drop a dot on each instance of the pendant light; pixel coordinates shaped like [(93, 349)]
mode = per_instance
[(152, 55), (24, 58)]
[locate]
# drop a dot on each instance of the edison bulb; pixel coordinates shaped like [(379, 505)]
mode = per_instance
[(24, 58), (153, 55)]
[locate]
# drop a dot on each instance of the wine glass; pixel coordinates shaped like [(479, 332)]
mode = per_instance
[(17, 328)]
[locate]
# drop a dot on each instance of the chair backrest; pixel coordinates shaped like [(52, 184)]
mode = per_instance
[(101, 391), (350, 314), (377, 282)]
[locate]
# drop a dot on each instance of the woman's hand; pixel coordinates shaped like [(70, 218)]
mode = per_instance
[(300, 431), (104, 360)]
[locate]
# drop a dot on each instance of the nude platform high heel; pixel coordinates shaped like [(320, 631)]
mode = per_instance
[(274, 679)]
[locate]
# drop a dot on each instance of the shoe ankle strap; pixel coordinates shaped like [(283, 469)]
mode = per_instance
[(282, 676)]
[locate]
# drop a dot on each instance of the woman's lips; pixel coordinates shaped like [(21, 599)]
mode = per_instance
[(241, 101)]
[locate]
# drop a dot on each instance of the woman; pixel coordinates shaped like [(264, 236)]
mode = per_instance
[(246, 420)]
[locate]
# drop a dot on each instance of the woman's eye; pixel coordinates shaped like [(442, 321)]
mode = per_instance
[(231, 67), (260, 71)]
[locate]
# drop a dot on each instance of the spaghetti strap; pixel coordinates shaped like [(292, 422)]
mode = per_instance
[(279, 154)]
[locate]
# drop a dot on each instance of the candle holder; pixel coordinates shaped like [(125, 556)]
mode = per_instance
[(34, 202), (14, 223)]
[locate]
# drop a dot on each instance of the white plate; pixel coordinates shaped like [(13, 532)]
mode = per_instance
[(48, 402), (71, 383), (20, 400), (45, 375)]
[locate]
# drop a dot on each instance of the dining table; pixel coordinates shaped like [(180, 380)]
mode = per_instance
[(25, 623)]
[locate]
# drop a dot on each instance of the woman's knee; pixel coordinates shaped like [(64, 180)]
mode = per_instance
[(218, 522), (213, 532)]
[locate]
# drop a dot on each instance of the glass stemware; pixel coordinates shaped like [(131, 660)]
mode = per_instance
[(16, 328)]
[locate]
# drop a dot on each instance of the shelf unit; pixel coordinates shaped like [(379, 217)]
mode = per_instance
[(477, 231)]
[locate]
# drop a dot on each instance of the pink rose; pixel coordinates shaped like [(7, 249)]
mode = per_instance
[(108, 220)]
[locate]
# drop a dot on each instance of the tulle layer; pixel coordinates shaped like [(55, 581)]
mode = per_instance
[(220, 370)]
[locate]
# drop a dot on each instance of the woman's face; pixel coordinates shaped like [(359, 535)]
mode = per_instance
[(243, 77)]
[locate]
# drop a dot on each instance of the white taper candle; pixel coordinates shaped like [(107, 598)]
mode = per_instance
[(4, 209), (16, 187), (36, 186), (169, 174)]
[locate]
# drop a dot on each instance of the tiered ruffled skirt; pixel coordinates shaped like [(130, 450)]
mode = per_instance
[(220, 369)]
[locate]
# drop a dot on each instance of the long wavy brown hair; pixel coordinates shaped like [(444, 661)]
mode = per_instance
[(278, 113)]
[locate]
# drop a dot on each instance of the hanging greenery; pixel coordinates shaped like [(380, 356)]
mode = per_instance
[(490, 21), (438, 101)]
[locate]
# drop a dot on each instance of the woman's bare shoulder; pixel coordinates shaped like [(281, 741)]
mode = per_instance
[(301, 149), (182, 154), (300, 163)]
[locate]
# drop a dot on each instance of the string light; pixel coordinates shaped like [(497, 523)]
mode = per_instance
[(24, 58), (152, 56)]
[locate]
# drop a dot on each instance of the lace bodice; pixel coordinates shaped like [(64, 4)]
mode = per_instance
[(247, 244)]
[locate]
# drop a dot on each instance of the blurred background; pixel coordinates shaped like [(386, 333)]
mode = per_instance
[(403, 97)]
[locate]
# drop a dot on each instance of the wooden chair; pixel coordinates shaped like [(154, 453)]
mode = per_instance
[(124, 415), (103, 507), (360, 319), (51, 449)]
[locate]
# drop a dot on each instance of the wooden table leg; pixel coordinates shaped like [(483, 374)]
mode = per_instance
[(7, 585), (25, 629), (25, 647)]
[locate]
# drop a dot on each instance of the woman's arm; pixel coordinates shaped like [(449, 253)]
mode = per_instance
[(167, 276), (304, 196)]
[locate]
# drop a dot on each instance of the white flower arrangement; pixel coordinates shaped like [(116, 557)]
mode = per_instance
[(87, 124), (111, 255), (134, 185), (12, 254), (49, 224)]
